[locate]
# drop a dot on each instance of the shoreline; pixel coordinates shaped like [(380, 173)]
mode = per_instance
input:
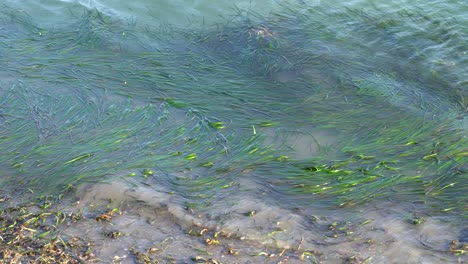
[(141, 225)]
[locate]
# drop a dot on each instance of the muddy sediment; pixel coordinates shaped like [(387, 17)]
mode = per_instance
[(118, 223)]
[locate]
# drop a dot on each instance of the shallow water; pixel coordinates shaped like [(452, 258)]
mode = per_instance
[(296, 131), (256, 231)]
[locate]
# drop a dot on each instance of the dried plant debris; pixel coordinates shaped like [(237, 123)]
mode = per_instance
[(29, 235)]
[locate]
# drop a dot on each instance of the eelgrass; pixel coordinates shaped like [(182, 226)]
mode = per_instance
[(94, 101)]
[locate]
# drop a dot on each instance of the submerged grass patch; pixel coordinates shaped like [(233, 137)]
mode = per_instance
[(194, 109)]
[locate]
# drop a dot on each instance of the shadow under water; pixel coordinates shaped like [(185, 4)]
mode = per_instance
[(312, 135)]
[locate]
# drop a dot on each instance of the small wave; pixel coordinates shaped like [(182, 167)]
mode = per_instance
[(247, 228)]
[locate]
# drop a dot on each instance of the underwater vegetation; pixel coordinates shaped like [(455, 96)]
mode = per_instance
[(311, 107), (196, 110)]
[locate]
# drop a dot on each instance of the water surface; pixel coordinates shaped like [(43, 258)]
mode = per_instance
[(291, 131)]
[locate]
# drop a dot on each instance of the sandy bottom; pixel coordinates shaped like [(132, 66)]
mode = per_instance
[(138, 221), (303, 143)]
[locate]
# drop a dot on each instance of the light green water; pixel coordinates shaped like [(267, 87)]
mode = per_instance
[(291, 125), (196, 11), (149, 12)]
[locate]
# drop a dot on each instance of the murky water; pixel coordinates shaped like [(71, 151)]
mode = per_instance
[(253, 230), (272, 132)]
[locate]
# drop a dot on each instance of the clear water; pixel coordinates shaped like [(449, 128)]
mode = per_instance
[(297, 131)]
